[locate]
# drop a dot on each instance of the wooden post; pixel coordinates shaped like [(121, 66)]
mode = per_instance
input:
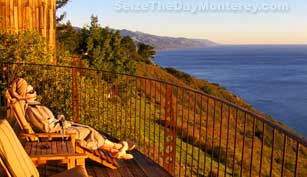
[(75, 93), (169, 158), (23, 15)]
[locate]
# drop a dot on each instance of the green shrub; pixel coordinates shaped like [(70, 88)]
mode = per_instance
[(28, 47), (179, 74), (290, 166), (207, 89)]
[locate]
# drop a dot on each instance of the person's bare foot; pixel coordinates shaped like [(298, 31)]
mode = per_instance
[(131, 145), (126, 157), (122, 154)]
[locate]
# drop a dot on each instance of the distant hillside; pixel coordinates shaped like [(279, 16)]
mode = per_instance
[(166, 43)]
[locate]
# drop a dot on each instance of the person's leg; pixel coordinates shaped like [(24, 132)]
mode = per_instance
[(91, 138), (108, 145), (111, 147), (118, 150)]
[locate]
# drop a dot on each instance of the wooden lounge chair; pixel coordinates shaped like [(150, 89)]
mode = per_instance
[(15, 161), (14, 113), (60, 150)]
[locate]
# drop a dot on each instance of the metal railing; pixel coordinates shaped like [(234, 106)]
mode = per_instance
[(186, 131)]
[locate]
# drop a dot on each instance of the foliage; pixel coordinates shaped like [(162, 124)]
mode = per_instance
[(26, 47), (103, 49), (67, 37), (130, 49), (60, 4), (30, 47), (63, 56), (179, 74), (146, 51), (207, 89)]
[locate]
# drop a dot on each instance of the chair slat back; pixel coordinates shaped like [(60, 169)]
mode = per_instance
[(12, 153), (6, 170)]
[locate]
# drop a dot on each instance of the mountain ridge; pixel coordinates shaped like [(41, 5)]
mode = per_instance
[(167, 42), (164, 42)]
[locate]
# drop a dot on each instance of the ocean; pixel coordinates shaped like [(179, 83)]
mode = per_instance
[(273, 79)]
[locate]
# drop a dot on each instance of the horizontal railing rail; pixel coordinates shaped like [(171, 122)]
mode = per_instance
[(186, 131)]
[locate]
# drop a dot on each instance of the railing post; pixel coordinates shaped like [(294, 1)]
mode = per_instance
[(169, 132), (75, 95), (2, 84)]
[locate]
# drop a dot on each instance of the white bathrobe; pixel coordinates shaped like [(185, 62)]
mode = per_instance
[(42, 120)]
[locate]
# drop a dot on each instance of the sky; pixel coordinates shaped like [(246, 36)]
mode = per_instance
[(222, 21)]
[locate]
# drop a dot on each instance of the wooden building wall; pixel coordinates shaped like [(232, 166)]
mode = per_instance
[(20, 15)]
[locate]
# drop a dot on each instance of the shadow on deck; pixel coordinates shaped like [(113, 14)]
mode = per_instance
[(140, 166)]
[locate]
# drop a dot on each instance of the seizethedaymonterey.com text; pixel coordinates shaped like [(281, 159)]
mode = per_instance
[(201, 6)]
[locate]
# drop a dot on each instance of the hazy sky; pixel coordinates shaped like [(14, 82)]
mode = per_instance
[(235, 21)]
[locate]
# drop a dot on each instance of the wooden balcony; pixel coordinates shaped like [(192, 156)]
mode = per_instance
[(186, 131), (140, 166)]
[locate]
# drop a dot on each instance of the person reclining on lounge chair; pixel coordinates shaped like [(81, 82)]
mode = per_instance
[(42, 120), (15, 162)]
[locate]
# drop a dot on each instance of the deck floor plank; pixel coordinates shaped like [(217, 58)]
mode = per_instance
[(150, 168), (136, 172), (112, 173), (140, 166), (124, 171), (99, 172)]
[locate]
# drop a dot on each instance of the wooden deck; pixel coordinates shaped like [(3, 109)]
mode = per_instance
[(140, 166)]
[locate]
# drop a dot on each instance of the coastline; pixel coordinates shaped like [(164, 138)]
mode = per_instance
[(267, 96)]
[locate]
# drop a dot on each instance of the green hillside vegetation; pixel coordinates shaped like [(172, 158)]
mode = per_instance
[(215, 150), (175, 76), (137, 110)]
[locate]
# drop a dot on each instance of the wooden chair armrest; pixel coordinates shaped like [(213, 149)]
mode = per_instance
[(47, 135), (50, 136), (58, 156)]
